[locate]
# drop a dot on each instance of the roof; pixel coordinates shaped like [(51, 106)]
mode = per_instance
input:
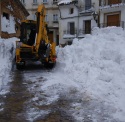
[(20, 5), (67, 2)]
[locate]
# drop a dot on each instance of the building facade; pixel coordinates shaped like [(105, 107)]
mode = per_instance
[(51, 15), (76, 19), (69, 19), (112, 13), (11, 10)]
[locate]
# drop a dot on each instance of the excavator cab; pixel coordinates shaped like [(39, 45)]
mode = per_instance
[(28, 32)]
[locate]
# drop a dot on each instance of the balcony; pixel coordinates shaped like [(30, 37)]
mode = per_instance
[(55, 2), (117, 24), (34, 3), (111, 4), (69, 34), (86, 9), (77, 33), (45, 2), (82, 33), (55, 21)]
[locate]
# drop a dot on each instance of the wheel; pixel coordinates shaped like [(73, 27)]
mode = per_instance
[(49, 65), (20, 66)]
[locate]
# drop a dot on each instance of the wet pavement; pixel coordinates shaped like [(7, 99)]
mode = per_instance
[(26, 102), (16, 103), (14, 100)]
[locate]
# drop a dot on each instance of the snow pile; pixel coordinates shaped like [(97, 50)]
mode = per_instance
[(94, 65), (7, 54), (8, 25), (97, 64)]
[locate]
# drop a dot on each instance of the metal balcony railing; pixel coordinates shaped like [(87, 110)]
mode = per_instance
[(55, 21), (55, 2), (82, 32), (78, 33), (111, 2), (86, 8), (117, 24), (73, 32)]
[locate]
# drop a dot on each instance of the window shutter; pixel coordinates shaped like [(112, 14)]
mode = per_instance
[(87, 4)]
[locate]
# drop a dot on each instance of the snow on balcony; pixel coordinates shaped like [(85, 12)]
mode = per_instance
[(112, 6), (69, 36), (86, 11)]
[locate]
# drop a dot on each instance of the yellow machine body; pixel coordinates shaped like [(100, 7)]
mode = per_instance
[(34, 44)]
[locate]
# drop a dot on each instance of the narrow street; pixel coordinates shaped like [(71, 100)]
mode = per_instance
[(17, 103), (27, 102)]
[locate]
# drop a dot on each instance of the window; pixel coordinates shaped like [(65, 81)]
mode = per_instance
[(114, 2), (55, 17), (6, 15), (71, 11), (45, 1), (71, 28), (55, 1), (34, 1)]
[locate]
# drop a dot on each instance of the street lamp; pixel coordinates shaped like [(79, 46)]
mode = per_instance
[(95, 16)]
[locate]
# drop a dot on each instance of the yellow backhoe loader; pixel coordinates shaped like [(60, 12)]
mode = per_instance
[(34, 44)]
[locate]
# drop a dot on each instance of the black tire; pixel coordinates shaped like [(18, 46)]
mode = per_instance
[(20, 67), (49, 65)]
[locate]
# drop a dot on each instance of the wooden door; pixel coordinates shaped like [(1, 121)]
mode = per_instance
[(88, 27), (114, 1), (113, 20), (57, 39), (72, 28)]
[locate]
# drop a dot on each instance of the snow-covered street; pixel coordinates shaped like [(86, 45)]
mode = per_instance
[(27, 101), (87, 84)]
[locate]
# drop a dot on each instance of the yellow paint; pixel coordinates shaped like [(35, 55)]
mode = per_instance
[(41, 35)]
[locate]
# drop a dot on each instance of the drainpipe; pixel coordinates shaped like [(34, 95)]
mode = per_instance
[(0, 18), (78, 21), (60, 12)]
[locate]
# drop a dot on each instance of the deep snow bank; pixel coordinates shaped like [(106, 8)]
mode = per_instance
[(7, 53), (97, 64), (90, 73)]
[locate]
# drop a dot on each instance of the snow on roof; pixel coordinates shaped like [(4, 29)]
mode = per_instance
[(68, 36), (64, 2)]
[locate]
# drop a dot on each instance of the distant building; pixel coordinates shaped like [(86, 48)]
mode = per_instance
[(76, 19), (112, 13), (11, 12), (52, 16)]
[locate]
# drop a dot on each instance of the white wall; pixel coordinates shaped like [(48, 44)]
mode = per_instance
[(79, 24), (63, 25), (65, 11), (66, 17), (123, 16)]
